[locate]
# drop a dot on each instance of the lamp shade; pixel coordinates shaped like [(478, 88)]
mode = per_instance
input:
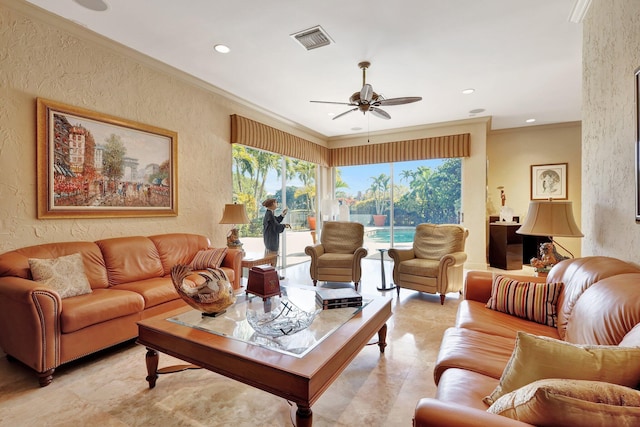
[(234, 213), (549, 218)]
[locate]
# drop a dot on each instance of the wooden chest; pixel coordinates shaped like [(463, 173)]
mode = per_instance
[(263, 281)]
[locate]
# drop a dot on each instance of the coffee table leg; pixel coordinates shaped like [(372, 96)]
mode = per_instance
[(152, 367), (304, 416), (382, 338)]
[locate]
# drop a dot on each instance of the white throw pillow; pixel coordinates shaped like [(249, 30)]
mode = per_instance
[(64, 274)]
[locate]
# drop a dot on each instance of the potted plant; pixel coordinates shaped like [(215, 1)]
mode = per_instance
[(379, 190)]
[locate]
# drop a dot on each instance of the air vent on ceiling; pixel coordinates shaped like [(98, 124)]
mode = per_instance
[(312, 38)]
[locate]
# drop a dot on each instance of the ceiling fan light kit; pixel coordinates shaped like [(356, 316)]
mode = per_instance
[(368, 100)]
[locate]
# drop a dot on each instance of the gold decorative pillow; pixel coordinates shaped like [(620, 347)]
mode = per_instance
[(208, 258), (535, 358), (528, 300), (555, 402), (64, 274)]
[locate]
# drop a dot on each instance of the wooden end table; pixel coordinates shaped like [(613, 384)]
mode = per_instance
[(251, 259)]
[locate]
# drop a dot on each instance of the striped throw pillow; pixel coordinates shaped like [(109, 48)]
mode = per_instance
[(208, 258), (530, 300)]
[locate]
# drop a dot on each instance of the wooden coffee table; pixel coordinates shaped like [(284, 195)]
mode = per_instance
[(299, 379)]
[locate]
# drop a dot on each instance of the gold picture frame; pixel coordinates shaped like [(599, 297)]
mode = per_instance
[(92, 165), (637, 141), (549, 181)]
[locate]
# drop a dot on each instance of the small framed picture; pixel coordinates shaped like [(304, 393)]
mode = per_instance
[(549, 181)]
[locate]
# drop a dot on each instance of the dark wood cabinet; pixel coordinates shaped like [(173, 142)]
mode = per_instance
[(505, 246)]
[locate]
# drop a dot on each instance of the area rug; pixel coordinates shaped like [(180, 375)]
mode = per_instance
[(109, 388)]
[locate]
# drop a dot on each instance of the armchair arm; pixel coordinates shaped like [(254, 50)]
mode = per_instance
[(314, 252), (432, 412), (356, 271), (450, 272), (30, 322), (233, 260), (399, 255), (453, 260)]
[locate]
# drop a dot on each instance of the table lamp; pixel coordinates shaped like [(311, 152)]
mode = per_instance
[(235, 214), (550, 218)]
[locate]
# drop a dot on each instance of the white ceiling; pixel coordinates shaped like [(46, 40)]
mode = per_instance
[(522, 57)]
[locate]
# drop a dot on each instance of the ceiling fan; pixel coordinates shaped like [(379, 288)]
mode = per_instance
[(368, 100)]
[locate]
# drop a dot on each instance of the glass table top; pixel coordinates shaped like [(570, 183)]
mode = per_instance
[(234, 324)]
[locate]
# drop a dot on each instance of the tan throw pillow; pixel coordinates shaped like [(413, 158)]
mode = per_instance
[(535, 358), (208, 258), (558, 402), (64, 274), (529, 300)]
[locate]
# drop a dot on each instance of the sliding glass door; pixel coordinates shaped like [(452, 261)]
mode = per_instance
[(259, 175), (390, 199)]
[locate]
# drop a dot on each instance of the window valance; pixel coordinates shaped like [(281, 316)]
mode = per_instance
[(255, 134), (439, 147)]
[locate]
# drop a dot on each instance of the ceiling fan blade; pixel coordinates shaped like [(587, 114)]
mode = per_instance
[(398, 101), (379, 113), (366, 93), (332, 102), (346, 112)]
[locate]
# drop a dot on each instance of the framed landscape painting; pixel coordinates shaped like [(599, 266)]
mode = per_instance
[(549, 182), (95, 165)]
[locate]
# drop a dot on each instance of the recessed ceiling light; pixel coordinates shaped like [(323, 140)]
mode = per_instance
[(468, 91), (96, 5), (220, 48), (476, 111), (356, 128), (530, 120)]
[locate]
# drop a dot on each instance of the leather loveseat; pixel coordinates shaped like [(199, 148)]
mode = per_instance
[(598, 305), (129, 279)]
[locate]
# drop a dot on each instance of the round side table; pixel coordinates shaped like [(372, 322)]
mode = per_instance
[(382, 275)]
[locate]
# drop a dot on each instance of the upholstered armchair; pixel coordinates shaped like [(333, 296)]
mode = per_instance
[(337, 257), (435, 262)]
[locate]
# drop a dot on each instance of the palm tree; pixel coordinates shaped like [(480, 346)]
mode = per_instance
[(306, 171), (380, 192)]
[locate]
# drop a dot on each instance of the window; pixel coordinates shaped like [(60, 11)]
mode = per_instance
[(258, 175), (390, 199)]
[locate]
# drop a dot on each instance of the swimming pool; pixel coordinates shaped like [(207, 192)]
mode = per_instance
[(400, 235)]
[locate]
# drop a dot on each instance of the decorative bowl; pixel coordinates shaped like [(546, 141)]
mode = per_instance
[(208, 291), (276, 316)]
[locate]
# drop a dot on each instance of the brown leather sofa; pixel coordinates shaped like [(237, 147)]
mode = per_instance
[(130, 281), (598, 305)]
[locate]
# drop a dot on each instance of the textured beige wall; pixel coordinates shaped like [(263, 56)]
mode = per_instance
[(511, 152), (44, 56), (611, 54)]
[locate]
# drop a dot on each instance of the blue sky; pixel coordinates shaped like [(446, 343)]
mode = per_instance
[(359, 177)]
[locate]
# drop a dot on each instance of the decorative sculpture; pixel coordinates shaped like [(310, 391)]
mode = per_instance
[(208, 291), (549, 257)]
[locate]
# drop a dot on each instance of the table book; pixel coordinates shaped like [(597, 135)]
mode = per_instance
[(338, 298)]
